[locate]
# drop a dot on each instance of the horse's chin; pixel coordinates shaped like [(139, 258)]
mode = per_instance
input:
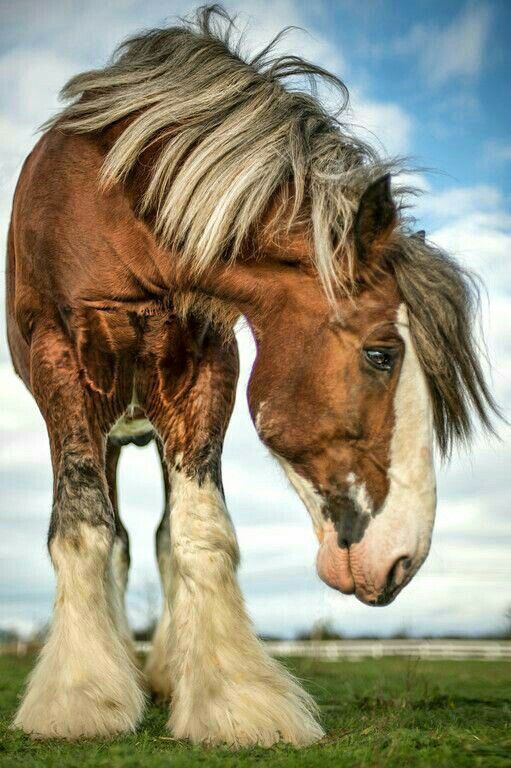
[(333, 564)]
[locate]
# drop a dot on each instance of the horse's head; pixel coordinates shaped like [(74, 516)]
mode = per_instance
[(347, 400)]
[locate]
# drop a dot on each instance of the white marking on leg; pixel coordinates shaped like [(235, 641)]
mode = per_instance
[(117, 584), (158, 662), (84, 683), (226, 689)]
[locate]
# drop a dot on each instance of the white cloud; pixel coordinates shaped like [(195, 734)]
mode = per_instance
[(495, 152), (456, 202), (483, 240), (457, 50), (474, 224), (31, 81), (382, 124)]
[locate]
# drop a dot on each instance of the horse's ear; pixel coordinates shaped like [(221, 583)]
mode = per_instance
[(420, 235), (375, 219)]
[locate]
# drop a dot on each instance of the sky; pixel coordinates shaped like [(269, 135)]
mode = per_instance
[(428, 80)]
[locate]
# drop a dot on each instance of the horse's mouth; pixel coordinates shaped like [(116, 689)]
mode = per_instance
[(333, 563), (346, 569)]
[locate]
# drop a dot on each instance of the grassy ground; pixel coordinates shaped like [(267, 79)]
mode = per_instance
[(393, 712)]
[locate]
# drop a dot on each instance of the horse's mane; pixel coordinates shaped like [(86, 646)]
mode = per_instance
[(233, 133)]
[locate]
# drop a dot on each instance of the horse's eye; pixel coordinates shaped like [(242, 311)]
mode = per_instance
[(381, 359)]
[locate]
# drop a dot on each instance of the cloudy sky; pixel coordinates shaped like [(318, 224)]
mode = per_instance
[(428, 79)]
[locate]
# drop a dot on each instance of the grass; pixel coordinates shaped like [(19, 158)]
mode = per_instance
[(393, 712)]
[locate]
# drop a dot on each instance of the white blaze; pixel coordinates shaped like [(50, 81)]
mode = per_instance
[(403, 526)]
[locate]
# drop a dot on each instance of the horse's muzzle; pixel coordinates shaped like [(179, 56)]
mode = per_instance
[(349, 570)]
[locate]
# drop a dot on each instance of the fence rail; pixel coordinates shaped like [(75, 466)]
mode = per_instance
[(490, 650), (354, 650)]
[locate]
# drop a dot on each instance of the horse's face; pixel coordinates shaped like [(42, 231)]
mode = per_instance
[(342, 402)]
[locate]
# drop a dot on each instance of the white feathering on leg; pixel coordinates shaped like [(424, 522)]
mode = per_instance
[(85, 683), (116, 585), (226, 689), (158, 662)]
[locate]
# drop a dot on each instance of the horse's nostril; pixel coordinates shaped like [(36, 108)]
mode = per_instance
[(395, 575)]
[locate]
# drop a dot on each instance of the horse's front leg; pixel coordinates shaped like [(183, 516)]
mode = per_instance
[(120, 553), (225, 687), (157, 668), (84, 683)]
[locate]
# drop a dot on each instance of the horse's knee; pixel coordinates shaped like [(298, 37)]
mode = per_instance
[(82, 529), (80, 497)]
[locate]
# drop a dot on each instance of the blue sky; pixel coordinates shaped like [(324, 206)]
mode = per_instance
[(430, 80), (447, 65)]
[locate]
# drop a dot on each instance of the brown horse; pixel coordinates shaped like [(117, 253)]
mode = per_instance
[(181, 188)]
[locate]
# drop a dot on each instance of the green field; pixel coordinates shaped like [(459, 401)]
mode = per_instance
[(394, 712)]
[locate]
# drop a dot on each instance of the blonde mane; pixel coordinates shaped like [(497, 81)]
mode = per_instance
[(234, 132), (234, 136)]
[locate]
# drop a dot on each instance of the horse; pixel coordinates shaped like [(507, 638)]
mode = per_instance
[(181, 187)]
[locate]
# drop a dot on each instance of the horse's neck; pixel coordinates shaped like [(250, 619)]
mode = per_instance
[(226, 290)]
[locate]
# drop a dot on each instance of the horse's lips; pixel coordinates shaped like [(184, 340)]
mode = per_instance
[(333, 564)]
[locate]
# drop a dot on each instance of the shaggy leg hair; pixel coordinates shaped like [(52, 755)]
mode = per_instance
[(158, 663), (85, 683), (118, 581), (116, 589), (157, 667), (226, 689)]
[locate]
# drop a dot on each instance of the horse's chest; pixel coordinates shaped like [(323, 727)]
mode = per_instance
[(131, 359)]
